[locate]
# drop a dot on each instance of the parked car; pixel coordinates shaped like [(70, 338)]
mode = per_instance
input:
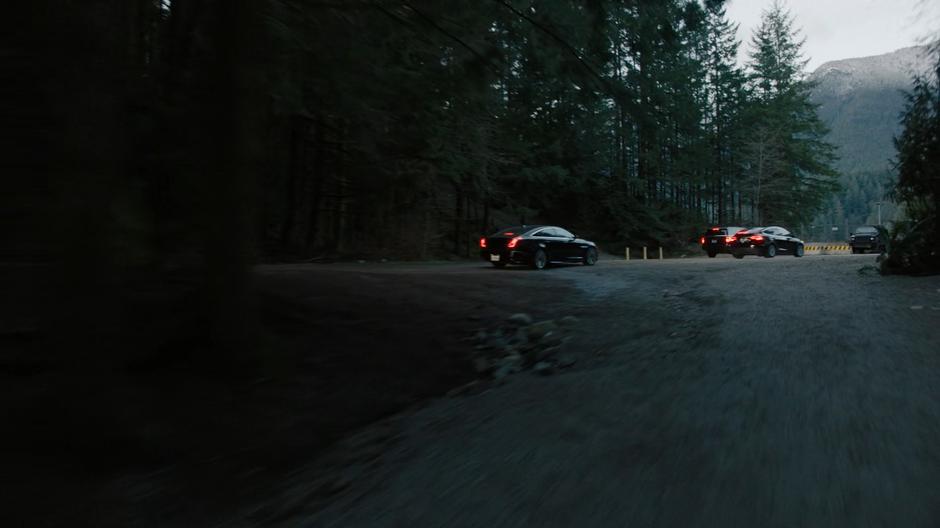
[(766, 242), (536, 246), (865, 238), (717, 239)]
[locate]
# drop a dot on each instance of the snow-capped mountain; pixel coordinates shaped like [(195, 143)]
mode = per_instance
[(861, 99)]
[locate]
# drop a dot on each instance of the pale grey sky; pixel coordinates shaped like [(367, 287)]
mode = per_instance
[(842, 29)]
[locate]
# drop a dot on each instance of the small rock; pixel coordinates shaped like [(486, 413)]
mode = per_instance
[(569, 320), (566, 360), (540, 329), (544, 368), (530, 353), (514, 360), (520, 319), (504, 371), (551, 339), (519, 338), (545, 354)]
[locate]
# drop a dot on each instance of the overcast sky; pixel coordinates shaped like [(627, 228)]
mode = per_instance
[(842, 29)]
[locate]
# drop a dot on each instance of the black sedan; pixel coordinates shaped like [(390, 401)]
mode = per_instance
[(536, 246), (766, 242), (866, 237), (718, 240)]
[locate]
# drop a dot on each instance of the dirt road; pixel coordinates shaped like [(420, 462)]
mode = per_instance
[(708, 392)]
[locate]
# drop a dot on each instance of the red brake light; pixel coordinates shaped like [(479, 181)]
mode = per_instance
[(715, 229), (729, 239), (757, 238), (513, 242), (509, 234), (483, 242), (701, 240)]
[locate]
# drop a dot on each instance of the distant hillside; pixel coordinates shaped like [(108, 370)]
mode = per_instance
[(861, 100)]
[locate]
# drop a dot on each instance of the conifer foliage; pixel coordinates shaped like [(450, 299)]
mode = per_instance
[(915, 243), (407, 128)]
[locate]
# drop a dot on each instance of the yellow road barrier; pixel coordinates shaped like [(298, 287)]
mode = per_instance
[(827, 247)]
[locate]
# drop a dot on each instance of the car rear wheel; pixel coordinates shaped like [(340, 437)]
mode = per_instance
[(590, 257), (739, 255), (799, 251), (856, 251), (712, 254), (539, 260), (770, 251)]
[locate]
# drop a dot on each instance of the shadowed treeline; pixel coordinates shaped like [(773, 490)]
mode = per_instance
[(163, 146), (135, 167)]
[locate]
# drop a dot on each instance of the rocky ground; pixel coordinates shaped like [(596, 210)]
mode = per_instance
[(783, 392), (687, 392)]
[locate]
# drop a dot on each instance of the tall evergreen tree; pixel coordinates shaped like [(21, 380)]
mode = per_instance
[(915, 241), (784, 127), (724, 97)]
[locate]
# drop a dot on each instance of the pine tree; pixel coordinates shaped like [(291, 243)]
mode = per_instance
[(724, 97), (915, 242), (792, 191)]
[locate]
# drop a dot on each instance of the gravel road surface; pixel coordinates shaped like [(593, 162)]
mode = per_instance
[(708, 392)]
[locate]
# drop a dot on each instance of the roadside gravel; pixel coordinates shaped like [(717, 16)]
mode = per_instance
[(763, 392)]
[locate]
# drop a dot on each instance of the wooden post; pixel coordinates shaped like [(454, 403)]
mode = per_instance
[(644, 252), (660, 253), (627, 252)]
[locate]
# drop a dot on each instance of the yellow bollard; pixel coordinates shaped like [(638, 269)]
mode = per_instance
[(644, 252), (627, 252), (660, 253)]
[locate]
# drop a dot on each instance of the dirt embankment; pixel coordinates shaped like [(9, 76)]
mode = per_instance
[(347, 345)]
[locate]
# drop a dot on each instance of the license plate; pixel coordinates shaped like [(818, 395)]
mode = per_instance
[(494, 258), (714, 241)]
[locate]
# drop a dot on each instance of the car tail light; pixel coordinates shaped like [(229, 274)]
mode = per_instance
[(513, 242), (701, 240), (715, 229), (509, 234), (482, 242), (757, 238), (729, 239)]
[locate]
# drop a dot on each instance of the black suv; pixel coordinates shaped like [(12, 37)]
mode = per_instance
[(867, 237), (716, 239)]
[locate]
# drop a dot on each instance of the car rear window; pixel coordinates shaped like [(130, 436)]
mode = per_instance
[(714, 231), (513, 231), (730, 230), (866, 230)]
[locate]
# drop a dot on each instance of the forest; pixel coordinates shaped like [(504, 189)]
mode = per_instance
[(280, 129)]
